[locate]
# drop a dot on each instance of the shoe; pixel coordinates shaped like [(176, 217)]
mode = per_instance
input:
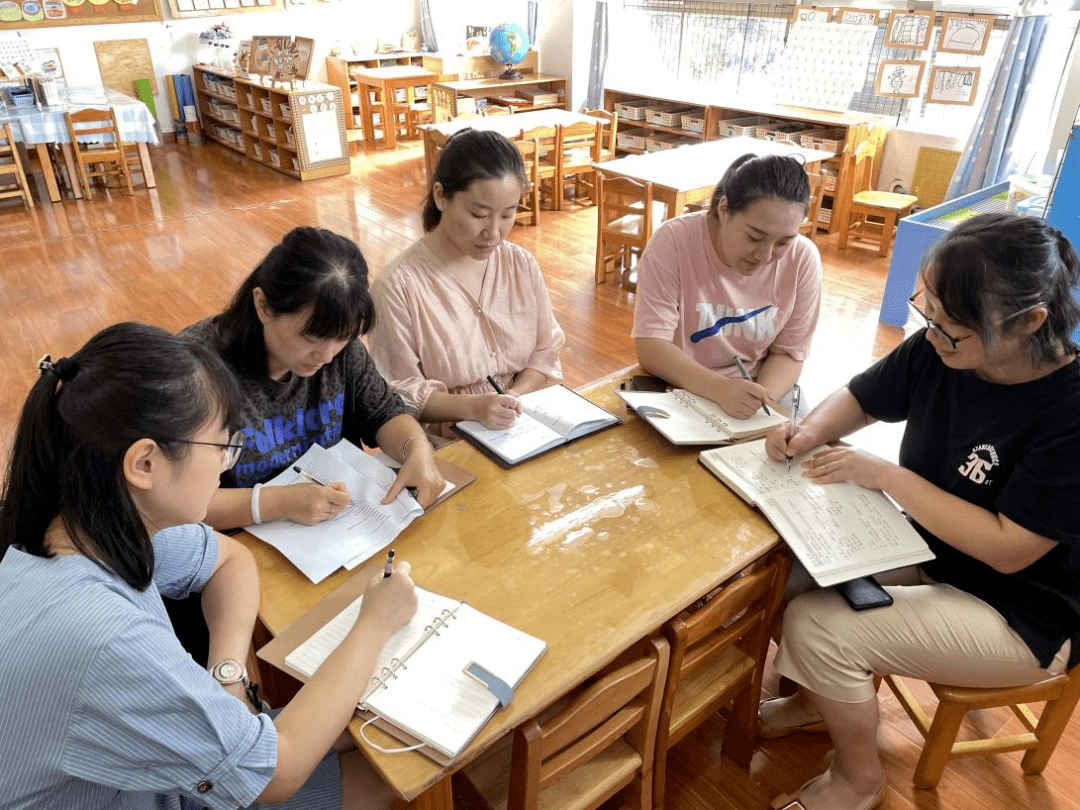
[(791, 801), (767, 732)]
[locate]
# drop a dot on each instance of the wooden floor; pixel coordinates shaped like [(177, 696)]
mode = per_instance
[(172, 255)]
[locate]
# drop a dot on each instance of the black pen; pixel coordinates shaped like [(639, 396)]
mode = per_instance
[(796, 395), (495, 385), (388, 569), (746, 376), (301, 471)]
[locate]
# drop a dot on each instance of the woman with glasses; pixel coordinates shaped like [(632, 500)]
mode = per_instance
[(116, 456), (990, 392)]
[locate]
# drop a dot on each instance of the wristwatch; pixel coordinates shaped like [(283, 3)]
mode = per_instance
[(228, 671)]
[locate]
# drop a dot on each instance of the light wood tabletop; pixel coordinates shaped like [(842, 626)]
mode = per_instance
[(688, 174), (590, 547)]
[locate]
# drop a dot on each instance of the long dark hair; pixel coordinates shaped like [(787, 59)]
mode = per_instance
[(992, 268), (308, 267), (751, 178), (470, 155), (130, 381)]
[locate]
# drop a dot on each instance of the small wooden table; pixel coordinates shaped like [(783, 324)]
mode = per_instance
[(386, 81), (590, 547), (688, 174), (444, 95)]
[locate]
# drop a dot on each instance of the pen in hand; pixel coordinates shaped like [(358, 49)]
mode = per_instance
[(796, 394), (301, 471), (746, 376), (388, 569), (495, 385)]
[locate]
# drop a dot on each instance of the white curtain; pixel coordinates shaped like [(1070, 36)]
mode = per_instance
[(598, 63)]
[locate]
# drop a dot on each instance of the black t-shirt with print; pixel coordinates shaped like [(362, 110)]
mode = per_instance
[(1011, 449)]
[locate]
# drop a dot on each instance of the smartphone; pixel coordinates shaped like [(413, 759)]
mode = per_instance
[(864, 593), (643, 382)]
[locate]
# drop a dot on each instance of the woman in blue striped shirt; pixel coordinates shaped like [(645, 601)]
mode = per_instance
[(116, 457)]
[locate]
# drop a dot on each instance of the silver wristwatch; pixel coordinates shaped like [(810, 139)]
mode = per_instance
[(229, 671)]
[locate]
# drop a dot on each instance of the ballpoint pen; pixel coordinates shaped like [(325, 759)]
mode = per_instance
[(746, 376), (301, 471), (495, 385), (388, 569), (796, 393)]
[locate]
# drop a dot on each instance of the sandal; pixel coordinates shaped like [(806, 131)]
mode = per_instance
[(792, 801), (767, 732)]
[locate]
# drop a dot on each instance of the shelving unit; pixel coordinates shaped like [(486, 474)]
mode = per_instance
[(448, 98), (298, 132), (715, 118)]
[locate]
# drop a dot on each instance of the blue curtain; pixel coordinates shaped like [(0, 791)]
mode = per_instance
[(427, 28), (598, 63), (531, 22), (990, 152)]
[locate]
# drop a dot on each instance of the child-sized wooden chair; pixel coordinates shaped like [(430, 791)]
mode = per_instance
[(13, 181), (624, 223), (99, 150), (529, 205), (863, 202)]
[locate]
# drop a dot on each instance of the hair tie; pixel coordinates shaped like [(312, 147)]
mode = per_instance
[(65, 368)]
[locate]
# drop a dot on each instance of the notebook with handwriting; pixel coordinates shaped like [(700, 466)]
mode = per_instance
[(687, 418), (838, 531), (419, 685), (550, 417)]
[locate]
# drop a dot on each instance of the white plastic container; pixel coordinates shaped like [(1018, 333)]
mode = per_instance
[(1022, 186)]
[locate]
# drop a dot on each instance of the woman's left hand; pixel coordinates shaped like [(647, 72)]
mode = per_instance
[(419, 470), (847, 464)]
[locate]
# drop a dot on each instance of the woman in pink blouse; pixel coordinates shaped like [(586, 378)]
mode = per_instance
[(462, 303)]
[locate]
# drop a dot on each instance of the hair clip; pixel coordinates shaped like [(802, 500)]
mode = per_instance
[(45, 364)]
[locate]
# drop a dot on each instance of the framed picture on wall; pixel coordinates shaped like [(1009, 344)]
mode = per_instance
[(49, 65), (897, 78), (909, 29), (965, 33), (952, 85)]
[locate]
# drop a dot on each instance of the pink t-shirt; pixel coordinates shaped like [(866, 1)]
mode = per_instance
[(687, 296)]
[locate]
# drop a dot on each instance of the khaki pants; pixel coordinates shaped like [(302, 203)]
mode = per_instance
[(933, 632)]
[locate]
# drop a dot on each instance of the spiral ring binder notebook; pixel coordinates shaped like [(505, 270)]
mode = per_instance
[(684, 417), (420, 690)]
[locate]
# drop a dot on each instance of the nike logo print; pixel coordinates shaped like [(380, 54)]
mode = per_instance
[(713, 330)]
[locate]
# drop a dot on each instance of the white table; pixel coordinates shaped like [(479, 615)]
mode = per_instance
[(40, 127), (688, 174)]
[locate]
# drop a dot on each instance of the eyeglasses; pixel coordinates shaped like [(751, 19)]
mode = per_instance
[(931, 324), (232, 450)]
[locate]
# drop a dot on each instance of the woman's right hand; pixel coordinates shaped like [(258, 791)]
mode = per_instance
[(496, 411), (306, 503), (779, 445), (389, 602), (739, 398)]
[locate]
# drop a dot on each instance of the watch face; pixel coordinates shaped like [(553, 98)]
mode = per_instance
[(229, 671)]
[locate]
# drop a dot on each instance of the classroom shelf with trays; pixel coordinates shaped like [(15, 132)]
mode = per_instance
[(298, 132), (649, 122)]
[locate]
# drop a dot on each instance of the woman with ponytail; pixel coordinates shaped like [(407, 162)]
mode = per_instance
[(988, 475)]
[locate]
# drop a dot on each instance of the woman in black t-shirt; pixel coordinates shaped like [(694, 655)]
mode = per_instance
[(988, 474)]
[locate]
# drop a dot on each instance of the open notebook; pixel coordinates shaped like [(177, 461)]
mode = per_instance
[(686, 418), (550, 417), (419, 685), (838, 531)]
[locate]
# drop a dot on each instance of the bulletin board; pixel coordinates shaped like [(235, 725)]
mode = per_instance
[(184, 9), (31, 14), (122, 61)]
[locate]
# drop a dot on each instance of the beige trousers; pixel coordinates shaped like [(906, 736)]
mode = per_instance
[(933, 632)]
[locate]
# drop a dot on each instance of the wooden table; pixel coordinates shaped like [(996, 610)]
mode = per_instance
[(386, 81), (590, 547), (444, 95), (688, 174), (509, 125)]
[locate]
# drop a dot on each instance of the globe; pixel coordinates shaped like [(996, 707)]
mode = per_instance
[(509, 44)]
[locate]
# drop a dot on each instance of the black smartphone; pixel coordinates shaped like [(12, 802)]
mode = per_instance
[(643, 382), (864, 593)]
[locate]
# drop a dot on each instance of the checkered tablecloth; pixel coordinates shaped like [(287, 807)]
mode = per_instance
[(47, 125)]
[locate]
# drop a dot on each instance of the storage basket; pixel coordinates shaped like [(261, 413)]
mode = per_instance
[(827, 140), (824, 215), (269, 129), (632, 139), (659, 141), (265, 102), (828, 179), (289, 136), (284, 107), (668, 114), (734, 127), (786, 131), (21, 96), (694, 122), (632, 110)]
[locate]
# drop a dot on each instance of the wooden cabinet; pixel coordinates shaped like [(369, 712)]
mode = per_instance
[(647, 122), (298, 132)]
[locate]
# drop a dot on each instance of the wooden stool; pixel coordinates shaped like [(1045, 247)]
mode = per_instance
[(12, 175)]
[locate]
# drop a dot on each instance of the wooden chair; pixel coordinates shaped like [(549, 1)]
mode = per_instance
[(547, 164), (419, 112), (104, 155), (625, 213), (13, 181), (862, 202), (609, 132), (817, 189), (529, 204), (577, 147), (596, 743), (717, 655), (954, 702)]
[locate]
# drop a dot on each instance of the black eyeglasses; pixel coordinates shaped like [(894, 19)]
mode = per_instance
[(232, 450), (931, 324)]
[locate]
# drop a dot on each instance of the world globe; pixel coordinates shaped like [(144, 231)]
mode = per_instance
[(508, 44)]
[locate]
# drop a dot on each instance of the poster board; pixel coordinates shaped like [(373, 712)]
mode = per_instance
[(122, 61), (899, 78), (185, 9), (319, 129), (857, 16), (909, 29), (965, 33), (36, 14), (952, 85), (48, 62)]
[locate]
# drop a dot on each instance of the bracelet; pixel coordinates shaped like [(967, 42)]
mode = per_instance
[(405, 447), (256, 517)]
